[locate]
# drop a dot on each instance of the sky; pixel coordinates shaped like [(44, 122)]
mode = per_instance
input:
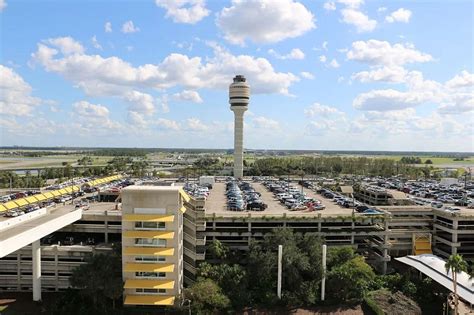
[(324, 75)]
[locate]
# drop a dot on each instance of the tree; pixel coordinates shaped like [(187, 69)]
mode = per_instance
[(455, 264), (99, 279), (351, 280), (231, 278), (207, 297), (428, 161)]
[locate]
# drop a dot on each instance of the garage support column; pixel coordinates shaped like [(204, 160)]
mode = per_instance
[(36, 264)]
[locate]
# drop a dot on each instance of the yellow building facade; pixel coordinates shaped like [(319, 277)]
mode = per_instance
[(152, 244)]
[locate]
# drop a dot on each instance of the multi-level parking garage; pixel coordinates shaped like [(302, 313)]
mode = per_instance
[(398, 230)]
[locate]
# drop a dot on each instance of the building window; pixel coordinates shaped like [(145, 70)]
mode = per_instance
[(142, 274), (151, 291), (155, 242), (150, 225), (150, 259)]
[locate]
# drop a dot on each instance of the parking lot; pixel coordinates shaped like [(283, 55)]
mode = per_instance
[(216, 204)]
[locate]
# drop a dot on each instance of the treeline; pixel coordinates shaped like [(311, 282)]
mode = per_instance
[(321, 165)]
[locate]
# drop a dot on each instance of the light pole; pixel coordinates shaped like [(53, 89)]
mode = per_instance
[(280, 255), (323, 281)]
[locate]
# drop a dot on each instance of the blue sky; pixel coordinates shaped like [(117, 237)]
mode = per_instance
[(342, 74)]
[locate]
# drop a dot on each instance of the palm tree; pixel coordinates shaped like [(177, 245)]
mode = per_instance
[(455, 264)]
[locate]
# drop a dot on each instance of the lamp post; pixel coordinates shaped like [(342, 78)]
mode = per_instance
[(280, 255)]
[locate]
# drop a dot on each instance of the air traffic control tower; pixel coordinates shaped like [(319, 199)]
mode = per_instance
[(239, 97)]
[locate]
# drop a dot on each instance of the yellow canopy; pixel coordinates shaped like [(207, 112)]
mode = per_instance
[(68, 189), (131, 267), (75, 188), (10, 205), (2, 208), (40, 197), (149, 300), (132, 251), (148, 284), (148, 234), (63, 191), (48, 195), (21, 202), (147, 218), (31, 199), (56, 193)]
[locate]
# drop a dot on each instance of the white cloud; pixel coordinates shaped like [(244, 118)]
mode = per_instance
[(67, 45), (97, 75), (194, 124), (377, 52), (392, 74), (451, 100), (184, 11), (295, 53), (463, 80), (329, 5), (307, 75), (353, 4), (264, 21), (357, 18), (323, 58), (189, 96), (129, 27), (92, 111), (3, 5), (96, 43), (381, 9), (381, 100), (15, 94), (162, 123), (142, 103), (261, 122), (401, 15), (137, 119), (320, 110), (334, 64), (108, 27)]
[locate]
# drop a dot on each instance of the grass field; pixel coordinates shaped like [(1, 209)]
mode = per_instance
[(48, 161), (437, 161)]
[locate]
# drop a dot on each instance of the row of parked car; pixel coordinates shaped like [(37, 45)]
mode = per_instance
[(439, 194), (347, 202), (292, 197), (197, 191), (242, 196), (18, 195)]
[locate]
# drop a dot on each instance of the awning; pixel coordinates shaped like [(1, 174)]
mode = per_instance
[(433, 267), (149, 300), (133, 251), (131, 267), (68, 189), (21, 202), (48, 195), (10, 205), (31, 199), (148, 284), (2, 208), (63, 191), (148, 234), (40, 197), (56, 193), (147, 218)]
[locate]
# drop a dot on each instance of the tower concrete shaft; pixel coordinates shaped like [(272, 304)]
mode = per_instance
[(239, 97), (238, 141)]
